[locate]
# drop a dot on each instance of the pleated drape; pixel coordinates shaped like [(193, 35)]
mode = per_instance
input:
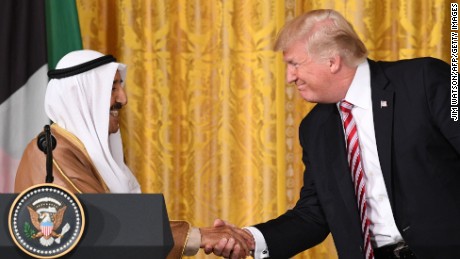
[(210, 122)]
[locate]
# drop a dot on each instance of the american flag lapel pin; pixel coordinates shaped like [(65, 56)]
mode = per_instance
[(383, 104)]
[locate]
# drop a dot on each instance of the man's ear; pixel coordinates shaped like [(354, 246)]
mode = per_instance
[(335, 63)]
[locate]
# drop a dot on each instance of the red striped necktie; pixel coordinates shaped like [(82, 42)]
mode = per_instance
[(357, 172)]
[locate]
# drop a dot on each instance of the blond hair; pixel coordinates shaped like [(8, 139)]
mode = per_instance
[(326, 33)]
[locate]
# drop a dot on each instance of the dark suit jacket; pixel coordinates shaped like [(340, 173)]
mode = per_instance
[(419, 151)]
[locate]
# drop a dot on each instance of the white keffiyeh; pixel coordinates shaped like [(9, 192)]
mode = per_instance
[(81, 105)]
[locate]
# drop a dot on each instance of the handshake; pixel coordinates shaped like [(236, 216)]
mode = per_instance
[(227, 240)]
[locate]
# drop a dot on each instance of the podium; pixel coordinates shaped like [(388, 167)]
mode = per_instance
[(117, 226)]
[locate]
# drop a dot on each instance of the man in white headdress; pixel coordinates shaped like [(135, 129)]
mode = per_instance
[(89, 155)]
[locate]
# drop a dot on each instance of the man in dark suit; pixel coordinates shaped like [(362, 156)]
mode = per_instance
[(383, 172)]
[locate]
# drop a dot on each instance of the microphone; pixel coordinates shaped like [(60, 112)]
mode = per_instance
[(46, 143)]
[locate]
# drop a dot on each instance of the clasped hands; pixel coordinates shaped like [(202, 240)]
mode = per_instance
[(227, 240)]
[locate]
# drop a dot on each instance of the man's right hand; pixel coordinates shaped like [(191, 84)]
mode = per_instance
[(227, 240)]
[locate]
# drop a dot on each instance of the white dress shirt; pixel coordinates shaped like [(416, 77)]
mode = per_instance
[(383, 226)]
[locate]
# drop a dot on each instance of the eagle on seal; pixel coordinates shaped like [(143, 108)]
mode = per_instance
[(47, 223)]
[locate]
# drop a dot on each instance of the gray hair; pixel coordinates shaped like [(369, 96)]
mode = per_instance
[(326, 33)]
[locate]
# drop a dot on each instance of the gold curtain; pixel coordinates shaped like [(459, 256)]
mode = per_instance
[(210, 122)]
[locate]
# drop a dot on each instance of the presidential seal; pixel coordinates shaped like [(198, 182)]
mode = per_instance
[(46, 221)]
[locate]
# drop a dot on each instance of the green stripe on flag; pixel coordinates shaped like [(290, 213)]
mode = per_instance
[(62, 29)]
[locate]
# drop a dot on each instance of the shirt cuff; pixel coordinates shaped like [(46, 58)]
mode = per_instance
[(261, 249), (193, 242)]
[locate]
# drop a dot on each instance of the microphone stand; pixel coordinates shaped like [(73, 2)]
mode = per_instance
[(46, 143), (49, 155)]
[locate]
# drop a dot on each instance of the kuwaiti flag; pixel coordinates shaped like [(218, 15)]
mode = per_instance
[(35, 35)]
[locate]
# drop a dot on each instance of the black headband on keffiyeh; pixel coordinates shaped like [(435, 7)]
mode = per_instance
[(81, 68)]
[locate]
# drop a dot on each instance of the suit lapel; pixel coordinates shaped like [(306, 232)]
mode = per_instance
[(383, 106)]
